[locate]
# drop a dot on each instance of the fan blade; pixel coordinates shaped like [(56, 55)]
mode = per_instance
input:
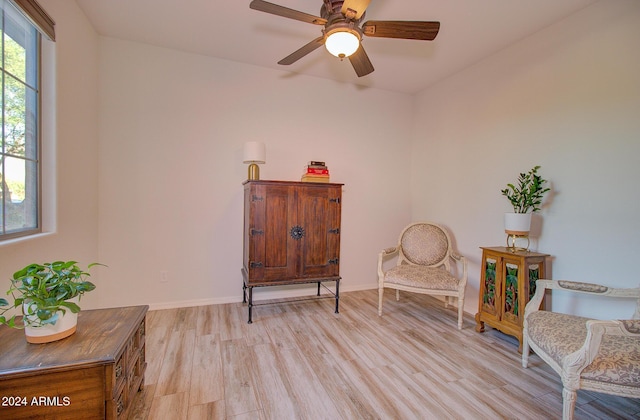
[(297, 55), (360, 62), (275, 9), (358, 7), (425, 31)]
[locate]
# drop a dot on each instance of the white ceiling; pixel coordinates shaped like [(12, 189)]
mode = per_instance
[(470, 31)]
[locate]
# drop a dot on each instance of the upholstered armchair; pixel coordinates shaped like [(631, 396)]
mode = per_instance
[(601, 356), (427, 264)]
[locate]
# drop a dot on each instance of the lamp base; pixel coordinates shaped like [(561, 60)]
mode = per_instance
[(511, 242), (254, 172)]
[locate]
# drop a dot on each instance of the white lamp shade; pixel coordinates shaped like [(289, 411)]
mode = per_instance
[(254, 152), (342, 43)]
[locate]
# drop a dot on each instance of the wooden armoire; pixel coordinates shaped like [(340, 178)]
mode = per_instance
[(291, 235)]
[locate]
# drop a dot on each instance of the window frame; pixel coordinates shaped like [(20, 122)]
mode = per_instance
[(43, 24)]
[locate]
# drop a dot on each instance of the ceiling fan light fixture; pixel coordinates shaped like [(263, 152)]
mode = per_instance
[(342, 42)]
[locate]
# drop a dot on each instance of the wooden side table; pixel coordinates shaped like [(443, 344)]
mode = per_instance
[(507, 283), (93, 374)]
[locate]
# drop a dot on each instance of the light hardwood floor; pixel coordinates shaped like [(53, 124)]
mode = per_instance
[(302, 361)]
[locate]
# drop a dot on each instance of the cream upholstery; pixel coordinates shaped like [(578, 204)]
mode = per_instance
[(602, 356), (423, 265)]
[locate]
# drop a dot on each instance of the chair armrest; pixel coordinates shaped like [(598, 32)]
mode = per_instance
[(628, 328), (536, 300), (462, 260), (579, 287), (573, 364), (387, 252), (591, 288)]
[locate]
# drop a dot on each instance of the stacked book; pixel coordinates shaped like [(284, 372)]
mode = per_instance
[(315, 171)]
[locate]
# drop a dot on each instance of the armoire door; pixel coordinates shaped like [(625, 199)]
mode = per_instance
[(272, 251), (319, 216)]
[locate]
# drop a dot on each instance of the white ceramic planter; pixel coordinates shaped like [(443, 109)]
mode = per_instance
[(64, 327), (517, 223)]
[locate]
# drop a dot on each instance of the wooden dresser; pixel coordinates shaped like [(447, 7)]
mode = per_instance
[(93, 374), (291, 235)]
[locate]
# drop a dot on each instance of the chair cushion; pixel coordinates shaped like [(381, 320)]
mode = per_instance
[(618, 361), (420, 276)]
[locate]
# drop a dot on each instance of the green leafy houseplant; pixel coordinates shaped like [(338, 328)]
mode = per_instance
[(42, 291), (527, 195)]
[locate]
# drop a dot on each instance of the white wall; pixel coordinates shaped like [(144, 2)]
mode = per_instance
[(165, 192), (70, 151), (172, 127), (568, 99), (148, 157)]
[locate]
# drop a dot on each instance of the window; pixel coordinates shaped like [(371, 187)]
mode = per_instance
[(20, 115)]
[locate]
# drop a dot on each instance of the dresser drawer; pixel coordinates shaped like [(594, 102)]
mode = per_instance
[(77, 394), (120, 372)]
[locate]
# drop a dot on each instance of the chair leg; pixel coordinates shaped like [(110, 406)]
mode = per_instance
[(460, 312), (525, 351), (397, 295), (568, 403), (380, 296)]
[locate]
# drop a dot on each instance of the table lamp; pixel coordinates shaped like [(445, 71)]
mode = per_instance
[(254, 153)]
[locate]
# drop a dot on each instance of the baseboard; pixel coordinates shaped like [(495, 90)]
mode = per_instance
[(259, 293)]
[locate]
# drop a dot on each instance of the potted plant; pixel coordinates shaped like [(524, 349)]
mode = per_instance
[(48, 296), (525, 197)]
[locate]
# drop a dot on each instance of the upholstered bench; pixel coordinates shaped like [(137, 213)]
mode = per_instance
[(601, 356)]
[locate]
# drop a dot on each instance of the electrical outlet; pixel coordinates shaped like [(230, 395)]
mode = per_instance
[(164, 277)]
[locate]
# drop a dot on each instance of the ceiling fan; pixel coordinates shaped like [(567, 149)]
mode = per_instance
[(343, 31)]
